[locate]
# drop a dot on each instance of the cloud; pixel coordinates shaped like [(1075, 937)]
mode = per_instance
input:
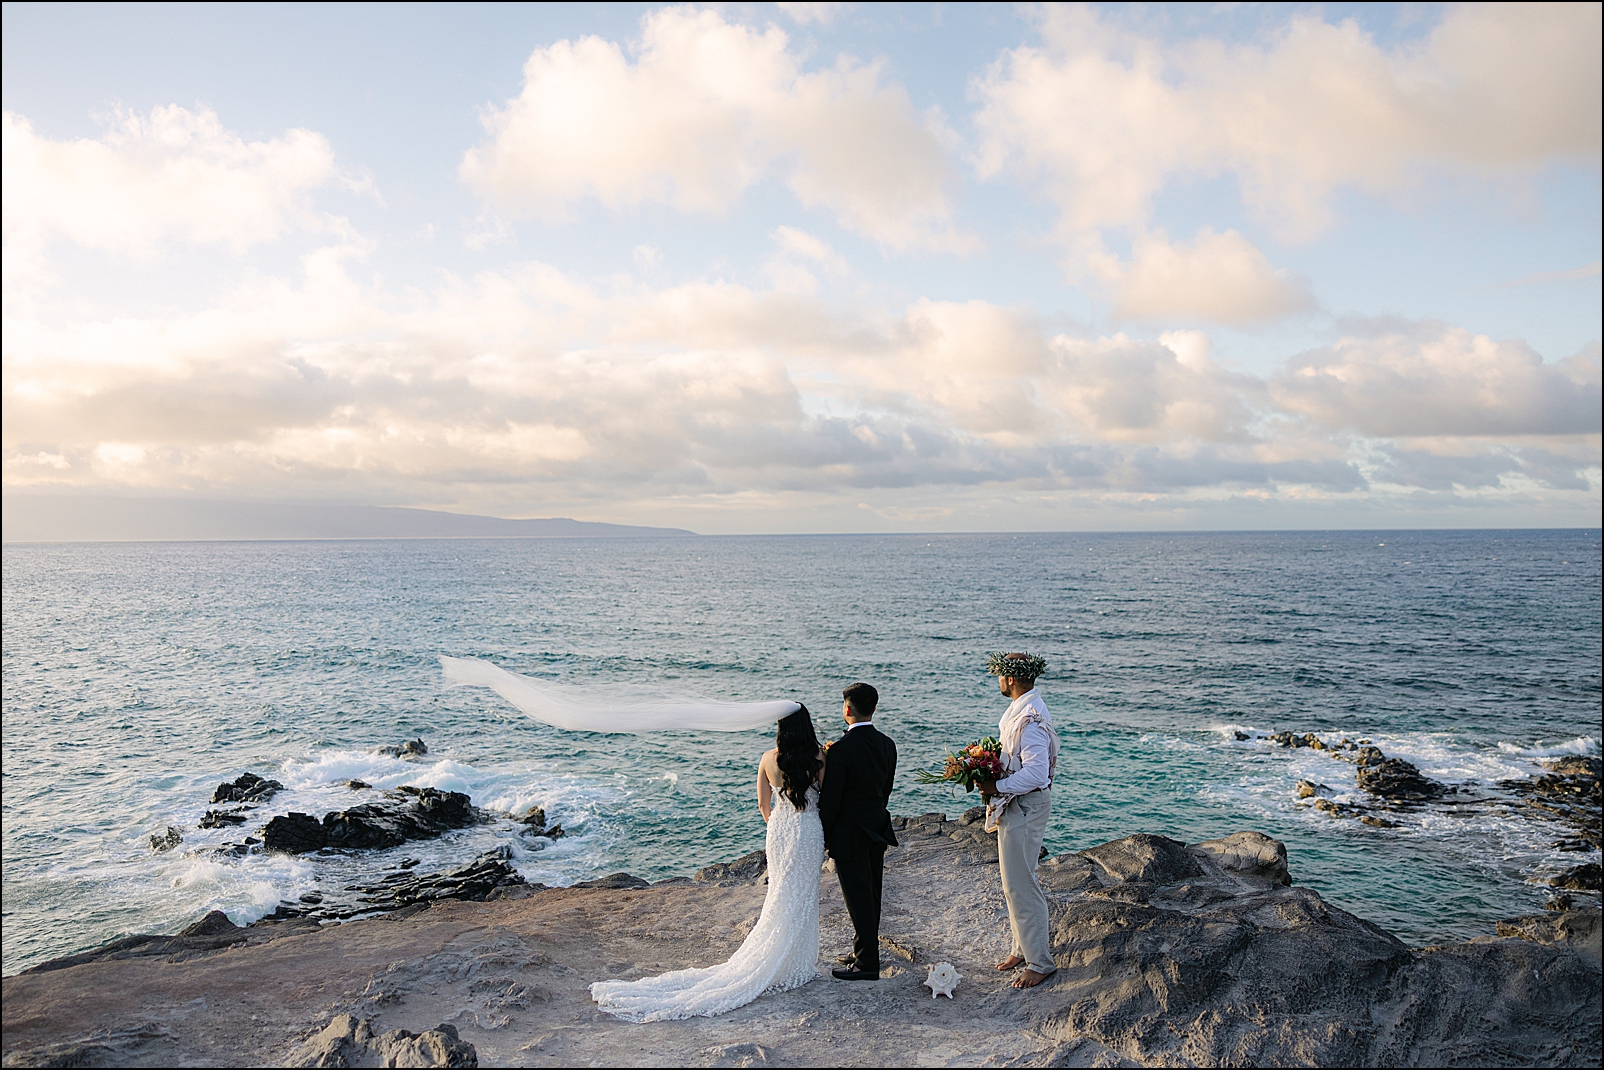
[(1457, 465), (170, 176), (1586, 271), (707, 109), (1220, 277), (1440, 380), (530, 382), (1103, 118), (804, 13)]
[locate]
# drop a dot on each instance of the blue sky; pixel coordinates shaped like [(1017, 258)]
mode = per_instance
[(811, 267)]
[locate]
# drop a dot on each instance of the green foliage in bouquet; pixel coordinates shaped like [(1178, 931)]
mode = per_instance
[(968, 765)]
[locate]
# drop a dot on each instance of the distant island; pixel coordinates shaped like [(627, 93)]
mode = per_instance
[(51, 518)]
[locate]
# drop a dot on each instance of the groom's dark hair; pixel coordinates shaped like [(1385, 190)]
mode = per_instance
[(862, 698)]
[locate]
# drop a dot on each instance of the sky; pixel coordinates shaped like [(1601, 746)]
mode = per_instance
[(811, 267)]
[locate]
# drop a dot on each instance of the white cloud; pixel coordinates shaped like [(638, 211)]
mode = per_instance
[(1220, 277), (173, 175), (1104, 118), (804, 13), (707, 108), (531, 385), (1586, 271), (1440, 380)]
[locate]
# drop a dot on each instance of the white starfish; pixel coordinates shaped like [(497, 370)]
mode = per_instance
[(942, 979)]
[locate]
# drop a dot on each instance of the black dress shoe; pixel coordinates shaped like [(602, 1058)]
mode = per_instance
[(855, 975)]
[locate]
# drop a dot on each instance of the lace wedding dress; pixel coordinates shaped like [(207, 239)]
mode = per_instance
[(780, 953)]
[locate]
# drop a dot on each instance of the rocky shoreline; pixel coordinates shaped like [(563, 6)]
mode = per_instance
[(1169, 954), (1569, 796)]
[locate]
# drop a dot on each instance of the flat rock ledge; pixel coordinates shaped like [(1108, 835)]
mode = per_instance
[(1169, 954)]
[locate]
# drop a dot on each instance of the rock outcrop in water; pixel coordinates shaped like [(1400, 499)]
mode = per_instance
[(1391, 779), (1570, 794), (406, 814), (402, 887), (1169, 954), (1394, 778), (412, 748), (166, 841), (248, 788)]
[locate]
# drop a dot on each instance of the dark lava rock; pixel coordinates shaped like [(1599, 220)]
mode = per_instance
[(1571, 793), (405, 814), (357, 785), (413, 748), (410, 814), (534, 823), (348, 1041), (620, 881), (222, 819), (1144, 858), (1394, 778), (166, 841), (401, 888), (1241, 736), (248, 788), (295, 834), (747, 868), (973, 814), (1577, 766), (212, 932), (1587, 877)]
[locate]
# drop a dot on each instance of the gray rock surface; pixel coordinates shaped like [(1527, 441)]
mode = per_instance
[(749, 867), (406, 813), (350, 1041), (1169, 954), (248, 787)]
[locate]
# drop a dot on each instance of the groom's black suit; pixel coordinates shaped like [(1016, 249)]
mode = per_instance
[(857, 829)]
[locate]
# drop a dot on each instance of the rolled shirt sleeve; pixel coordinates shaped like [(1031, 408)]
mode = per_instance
[(1035, 757)]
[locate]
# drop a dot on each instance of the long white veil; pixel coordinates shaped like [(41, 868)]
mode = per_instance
[(609, 708)]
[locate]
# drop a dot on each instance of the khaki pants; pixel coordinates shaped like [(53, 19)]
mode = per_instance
[(1019, 837)]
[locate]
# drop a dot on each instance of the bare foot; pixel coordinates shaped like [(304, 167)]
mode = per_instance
[(1012, 962), (1030, 978)]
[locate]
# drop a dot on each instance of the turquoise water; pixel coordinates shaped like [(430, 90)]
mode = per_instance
[(138, 676)]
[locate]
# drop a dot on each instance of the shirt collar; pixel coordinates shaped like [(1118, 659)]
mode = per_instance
[(860, 724), (1022, 700)]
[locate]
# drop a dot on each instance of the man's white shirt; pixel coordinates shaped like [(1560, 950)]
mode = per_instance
[(1035, 748)]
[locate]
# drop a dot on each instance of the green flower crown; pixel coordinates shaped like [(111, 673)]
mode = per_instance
[(1019, 666)]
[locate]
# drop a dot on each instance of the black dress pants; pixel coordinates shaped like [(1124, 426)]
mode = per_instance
[(861, 876)]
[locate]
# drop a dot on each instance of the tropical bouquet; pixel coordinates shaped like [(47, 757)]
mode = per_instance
[(980, 760)]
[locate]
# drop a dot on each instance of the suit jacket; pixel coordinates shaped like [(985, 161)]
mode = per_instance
[(857, 785)]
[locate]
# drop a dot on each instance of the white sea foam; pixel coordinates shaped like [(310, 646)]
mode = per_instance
[(1585, 746), (1486, 833)]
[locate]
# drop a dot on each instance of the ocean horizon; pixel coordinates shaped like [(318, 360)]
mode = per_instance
[(139, 675)]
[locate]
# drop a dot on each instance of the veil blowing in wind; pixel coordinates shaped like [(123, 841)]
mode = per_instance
[(611, 708)]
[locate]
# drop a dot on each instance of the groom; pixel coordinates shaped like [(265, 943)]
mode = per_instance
[(857, 825)]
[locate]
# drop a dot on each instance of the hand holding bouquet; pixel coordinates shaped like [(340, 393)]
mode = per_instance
[(980, 760)]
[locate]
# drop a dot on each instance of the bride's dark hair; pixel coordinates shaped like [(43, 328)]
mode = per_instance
[(799, 755)]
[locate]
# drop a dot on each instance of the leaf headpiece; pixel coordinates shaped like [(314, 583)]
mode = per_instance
[(1019, 666)]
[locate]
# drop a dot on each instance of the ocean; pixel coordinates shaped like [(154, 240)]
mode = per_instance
[(137, 676)]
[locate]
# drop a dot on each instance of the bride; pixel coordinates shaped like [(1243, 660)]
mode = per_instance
[(782, 951)]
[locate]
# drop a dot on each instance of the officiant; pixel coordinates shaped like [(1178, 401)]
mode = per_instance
[(1017, 807)]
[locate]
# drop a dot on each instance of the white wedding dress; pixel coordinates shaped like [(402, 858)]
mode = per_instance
[(781, 952)]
